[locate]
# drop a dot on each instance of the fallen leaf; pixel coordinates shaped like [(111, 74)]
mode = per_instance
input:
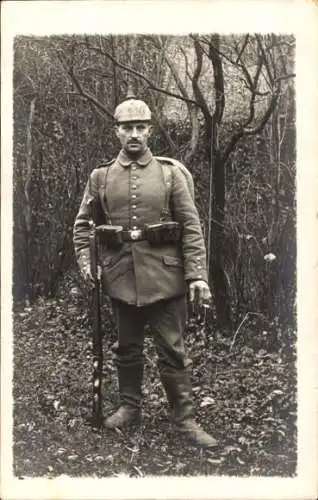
[(207, 401)]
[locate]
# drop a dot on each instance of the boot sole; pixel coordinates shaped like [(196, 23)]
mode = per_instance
[(125, 425), (194, 442)]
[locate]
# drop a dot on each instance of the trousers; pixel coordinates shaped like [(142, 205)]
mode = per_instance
[(167, 320)]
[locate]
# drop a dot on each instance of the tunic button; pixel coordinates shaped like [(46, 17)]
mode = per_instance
[(134, 206), (135, 227), (133, 196), (134, 217), (135, 177), (200, 276), (199, 267), (134, 167), (134, 186)]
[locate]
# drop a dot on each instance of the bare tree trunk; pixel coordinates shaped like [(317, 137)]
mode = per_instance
[(115, 82), (216, 244), (27, 193), (195, 132), (274, 270)]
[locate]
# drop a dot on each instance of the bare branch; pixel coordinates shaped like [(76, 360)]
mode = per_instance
[(252, 131), (266, 116), (90, 97), (186, 63), (175, 73), (159, 65), (192, 109), (215, 58), (242, 49), (262, 49), (285, 77), (253, 91), (131, 70), (195, 81), (156, 115), (242, 66), (96, 71)]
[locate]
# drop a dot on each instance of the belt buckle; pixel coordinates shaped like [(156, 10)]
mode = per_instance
[(135, 234)]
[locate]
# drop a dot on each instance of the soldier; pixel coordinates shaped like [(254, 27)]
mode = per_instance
[(153, 254)]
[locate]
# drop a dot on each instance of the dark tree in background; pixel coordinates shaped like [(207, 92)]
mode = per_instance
[(222, 104)]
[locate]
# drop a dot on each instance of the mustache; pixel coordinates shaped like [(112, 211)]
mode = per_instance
[(134, 142)]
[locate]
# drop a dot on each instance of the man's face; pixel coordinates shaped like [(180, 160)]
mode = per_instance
[(134, 136)]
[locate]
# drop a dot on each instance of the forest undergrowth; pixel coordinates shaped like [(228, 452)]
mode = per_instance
[(244, 395)]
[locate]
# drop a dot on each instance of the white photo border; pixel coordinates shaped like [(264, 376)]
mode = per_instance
[(299, 18)]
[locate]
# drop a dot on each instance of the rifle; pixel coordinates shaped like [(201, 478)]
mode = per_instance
[(97, 411)]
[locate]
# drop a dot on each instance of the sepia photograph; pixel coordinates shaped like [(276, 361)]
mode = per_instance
[(154, 304), (189, 147)]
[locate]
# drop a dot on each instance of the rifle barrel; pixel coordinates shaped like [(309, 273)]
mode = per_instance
[(97, 414)]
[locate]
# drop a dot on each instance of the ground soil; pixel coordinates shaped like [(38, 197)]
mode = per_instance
[(244, 395)]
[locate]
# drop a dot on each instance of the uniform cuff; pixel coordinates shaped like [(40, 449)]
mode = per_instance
[(195, 269)]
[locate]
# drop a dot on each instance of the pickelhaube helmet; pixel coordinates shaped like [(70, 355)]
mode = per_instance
[(132, 110)]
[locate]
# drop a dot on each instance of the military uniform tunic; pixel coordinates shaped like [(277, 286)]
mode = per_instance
[(134, 193)]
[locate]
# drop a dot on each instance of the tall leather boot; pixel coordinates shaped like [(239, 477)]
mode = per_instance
[(179, 393), (130, 382)]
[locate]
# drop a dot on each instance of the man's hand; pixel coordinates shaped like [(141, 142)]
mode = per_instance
[(87, 275), (199, 289), (85, 268)]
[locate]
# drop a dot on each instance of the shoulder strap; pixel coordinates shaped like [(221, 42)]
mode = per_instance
[(102, 170), (167, 177), (166, 164)]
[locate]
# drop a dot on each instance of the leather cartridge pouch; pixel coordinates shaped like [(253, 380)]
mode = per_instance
[(110, 236), (163, 232)]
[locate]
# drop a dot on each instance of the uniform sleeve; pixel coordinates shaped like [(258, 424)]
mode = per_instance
[(185, 212), (81, 229)]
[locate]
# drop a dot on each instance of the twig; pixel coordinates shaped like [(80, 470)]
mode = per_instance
[(236, 333), (240, 325)]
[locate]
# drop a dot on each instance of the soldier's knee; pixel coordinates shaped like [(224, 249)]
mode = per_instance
[(128, 354)]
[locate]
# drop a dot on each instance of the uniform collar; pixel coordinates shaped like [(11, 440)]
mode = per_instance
[(125, 160)]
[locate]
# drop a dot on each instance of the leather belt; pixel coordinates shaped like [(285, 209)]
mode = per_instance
[(133, 235)]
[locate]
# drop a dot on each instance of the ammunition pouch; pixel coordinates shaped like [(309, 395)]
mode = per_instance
[(110, 236), (163, 232), (156, 234)]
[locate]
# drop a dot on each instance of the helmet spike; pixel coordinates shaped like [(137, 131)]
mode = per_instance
[(130, 92)]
